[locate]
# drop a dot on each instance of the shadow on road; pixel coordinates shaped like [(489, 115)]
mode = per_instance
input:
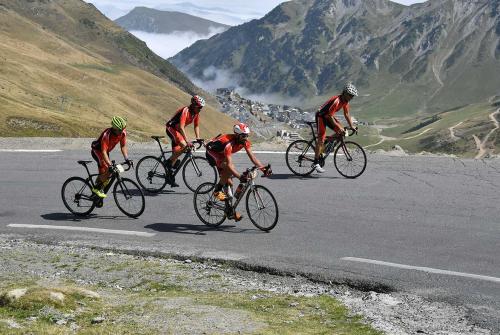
[(283, 176), (192, 229), (164, 192), (74, 218)]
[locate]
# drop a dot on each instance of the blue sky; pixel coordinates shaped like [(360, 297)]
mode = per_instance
[(230, 12)]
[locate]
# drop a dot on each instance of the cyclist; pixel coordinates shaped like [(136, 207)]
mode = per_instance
[(102, 147), (175, 129), (325, 117), (219, 154)]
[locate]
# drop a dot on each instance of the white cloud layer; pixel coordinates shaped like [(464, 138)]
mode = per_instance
[(168, 45), (232, 12)]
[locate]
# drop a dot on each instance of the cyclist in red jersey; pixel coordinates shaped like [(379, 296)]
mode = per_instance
[(175, 129), (219, 152), (103, 146), (325, 117)]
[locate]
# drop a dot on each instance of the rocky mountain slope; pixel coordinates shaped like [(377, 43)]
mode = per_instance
[(410, 62), (65, 69), (167, 22)]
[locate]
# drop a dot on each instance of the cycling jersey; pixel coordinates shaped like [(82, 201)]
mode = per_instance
[(332, 106), (108, 140), (223, 146), (105, 143), (183, 117)]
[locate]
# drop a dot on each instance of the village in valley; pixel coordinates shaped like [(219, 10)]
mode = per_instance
[(268, 121)]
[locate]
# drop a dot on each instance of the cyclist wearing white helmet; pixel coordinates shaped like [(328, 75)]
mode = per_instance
[(219, 152), (175, 129), (101, 148), (325, 117)]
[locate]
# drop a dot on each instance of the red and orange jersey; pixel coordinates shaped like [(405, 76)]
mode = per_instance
[(332, 106), (108, 140), (183, 117)]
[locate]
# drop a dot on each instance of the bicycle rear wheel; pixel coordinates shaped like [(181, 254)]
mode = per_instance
[(262, 208), (300, 157), (209, 210), (151, 174), (77, 196), (129, 197), (198, 171), (350, 160)]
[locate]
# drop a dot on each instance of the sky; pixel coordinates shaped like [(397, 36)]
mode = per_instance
[(230, 12)]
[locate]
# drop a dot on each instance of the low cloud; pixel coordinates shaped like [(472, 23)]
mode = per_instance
[(168, 45), (214, 78)]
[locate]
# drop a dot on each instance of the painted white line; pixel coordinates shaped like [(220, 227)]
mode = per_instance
[(29, 150), (93, 230), (424, 269), (255, 152)]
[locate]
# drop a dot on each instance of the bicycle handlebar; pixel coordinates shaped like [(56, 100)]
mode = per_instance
[(129, 165), (252, 169), (353, 131)]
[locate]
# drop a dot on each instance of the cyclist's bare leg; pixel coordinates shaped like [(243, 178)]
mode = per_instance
[(176, 152)]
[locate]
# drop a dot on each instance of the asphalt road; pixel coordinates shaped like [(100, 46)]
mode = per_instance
[(437, 214)]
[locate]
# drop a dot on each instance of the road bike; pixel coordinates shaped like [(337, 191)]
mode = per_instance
[(153, 175), (349, 157), (261, 206), (79, 199)]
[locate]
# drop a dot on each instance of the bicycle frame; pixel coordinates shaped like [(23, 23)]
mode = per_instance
[(188, 155)]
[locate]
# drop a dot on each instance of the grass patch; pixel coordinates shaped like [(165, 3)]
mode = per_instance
[(107, 69)]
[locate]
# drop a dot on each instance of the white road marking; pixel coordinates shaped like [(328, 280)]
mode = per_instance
[(93, 230), (424, 269), (255, 152), (29, 150)]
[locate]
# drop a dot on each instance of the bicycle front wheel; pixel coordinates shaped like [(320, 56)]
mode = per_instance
[(77, 196), (209, 209), (300, 157), (262, 208), (350, 160), (151, 174), (129, 197), (197, 171)]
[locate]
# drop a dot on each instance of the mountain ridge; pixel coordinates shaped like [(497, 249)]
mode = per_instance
[(65, 69), (166, 22)]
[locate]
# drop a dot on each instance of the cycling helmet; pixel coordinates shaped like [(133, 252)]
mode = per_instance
[(349, 88), (241, 128), (118, 122), (198, 101)]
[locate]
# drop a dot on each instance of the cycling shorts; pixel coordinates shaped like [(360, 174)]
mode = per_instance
[(101, 162), (322, 122)]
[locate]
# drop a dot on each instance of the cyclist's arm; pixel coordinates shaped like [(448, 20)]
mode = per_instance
[(124, 149), (253, 158), (182, 124), (347, 116)]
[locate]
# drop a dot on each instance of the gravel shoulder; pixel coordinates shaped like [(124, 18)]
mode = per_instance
[(67, 289)]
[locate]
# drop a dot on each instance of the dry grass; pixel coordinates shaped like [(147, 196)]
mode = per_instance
[(47, 79)]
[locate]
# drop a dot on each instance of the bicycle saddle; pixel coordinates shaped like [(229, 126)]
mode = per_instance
[(84, 162), (157, 137), (311, 122)]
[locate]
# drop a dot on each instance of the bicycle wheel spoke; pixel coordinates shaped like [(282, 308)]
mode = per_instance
[(129, 198), (208, 209), (350, 160), (198, 171), (262, 208), (299, 157)]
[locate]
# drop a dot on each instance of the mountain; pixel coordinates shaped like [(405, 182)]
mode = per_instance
[(165, 22), (65, 69), (426, 72), (427, 57)]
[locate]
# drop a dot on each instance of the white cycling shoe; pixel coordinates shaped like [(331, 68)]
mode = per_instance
[(318, 168)]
